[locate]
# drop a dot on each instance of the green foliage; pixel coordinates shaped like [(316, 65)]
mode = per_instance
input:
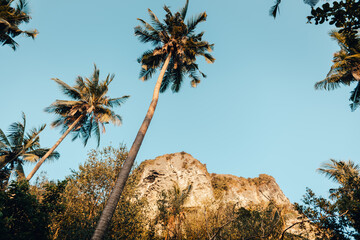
[(344, 14), (18, 148), (217, 222), (256, 222), (84, 197), (22, 216), (89, 101), (11, 17), (338, 217), (176, 38)]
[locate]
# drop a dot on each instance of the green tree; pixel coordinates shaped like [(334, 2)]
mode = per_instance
[(346, 66), (22, 217), (84, 198), (86, 113), (10, 20), (176, 48), (337, 218), (19, 147), (344, 14)]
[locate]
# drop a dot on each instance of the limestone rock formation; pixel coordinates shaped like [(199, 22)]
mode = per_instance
[(214, 190), (182, 169)]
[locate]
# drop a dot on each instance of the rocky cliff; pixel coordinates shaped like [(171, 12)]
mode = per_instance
[(182, 169), (209, 190)]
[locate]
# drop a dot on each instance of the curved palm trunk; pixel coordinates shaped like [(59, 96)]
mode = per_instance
[(51, 150), (113, 200)]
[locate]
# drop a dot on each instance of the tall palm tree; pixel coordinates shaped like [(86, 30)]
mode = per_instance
[(87, 112), (19, 147), (10, 19), (176, 46), (346, 67)]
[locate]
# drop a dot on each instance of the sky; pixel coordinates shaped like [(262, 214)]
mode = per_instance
[(256, 112)]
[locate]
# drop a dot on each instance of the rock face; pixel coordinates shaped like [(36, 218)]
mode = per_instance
[(181, 169)]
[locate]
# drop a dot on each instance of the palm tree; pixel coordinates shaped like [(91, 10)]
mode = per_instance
[(18, 148), (87, 112), (346, 67), (176, 47), (347, 174), (10, 19), (174, 214), (347, 196)]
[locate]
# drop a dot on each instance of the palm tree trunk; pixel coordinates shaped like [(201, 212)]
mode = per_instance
[(51, 150), (111, 204)]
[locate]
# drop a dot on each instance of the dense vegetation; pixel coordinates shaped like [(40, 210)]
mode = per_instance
[(70, 208)]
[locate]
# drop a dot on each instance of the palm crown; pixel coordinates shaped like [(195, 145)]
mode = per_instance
[(89, 101), (19, 147), (346, 66), (175, 38), (10, 19)]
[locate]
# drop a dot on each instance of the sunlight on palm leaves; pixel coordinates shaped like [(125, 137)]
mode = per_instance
[(346, 174), (19, 147), (90, 102), (177, 38), (346, 66), (10, 19)]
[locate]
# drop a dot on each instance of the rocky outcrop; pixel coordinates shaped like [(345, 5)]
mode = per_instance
[(182, 169), (210, 190)]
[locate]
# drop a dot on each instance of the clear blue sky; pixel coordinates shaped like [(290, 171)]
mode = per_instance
[(257, 112)]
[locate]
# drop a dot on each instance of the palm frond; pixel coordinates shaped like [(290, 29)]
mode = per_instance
[(274, 10), (208, 57), (96, 131), (148, 26), (177, 79), (32, 137), (68, 90), (156, 22), (167, 10), (167, 76), (340, 171), (183, 11), (19, 171), (145, 36), (17, 132), (193, 22), (40, 152), (29, 157), (114, 102), (312, 3), (7, 40), (355, 98), (22, 6), (3, 139)]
